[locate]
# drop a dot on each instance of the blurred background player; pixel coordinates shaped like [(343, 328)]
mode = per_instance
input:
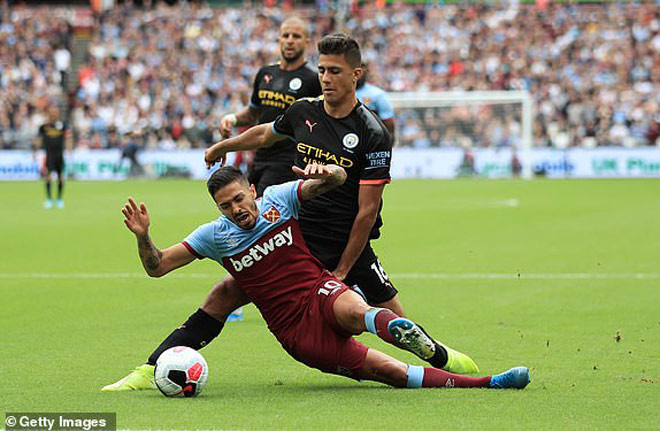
[(375, 98), (54, 136), (275, 88)]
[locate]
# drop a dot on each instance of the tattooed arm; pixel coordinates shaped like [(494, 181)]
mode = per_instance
[(322, 178), (155, 262)]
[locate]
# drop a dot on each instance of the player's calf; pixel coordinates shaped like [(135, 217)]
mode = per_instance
[(385, 369), (404, 333), (420, 377)]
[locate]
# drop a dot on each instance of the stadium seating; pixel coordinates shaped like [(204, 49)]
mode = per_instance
[(168, 74)]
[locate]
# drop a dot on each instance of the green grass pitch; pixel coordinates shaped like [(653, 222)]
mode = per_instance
[(539, 273)]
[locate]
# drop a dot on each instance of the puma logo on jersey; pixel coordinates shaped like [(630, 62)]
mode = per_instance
[(310, 125), (259, 251)]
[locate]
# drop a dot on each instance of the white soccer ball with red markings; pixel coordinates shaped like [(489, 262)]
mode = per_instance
[(181, 372)]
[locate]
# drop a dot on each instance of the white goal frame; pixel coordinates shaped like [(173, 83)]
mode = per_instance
[(405, 100)]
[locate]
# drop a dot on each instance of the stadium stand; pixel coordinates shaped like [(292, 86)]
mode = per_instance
[(166, 74)]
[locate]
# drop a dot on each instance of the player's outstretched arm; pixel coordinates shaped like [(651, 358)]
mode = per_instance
[(255, 137), (155, 262), (321, 178)]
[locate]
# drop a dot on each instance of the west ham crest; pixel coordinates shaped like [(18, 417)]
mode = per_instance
[(272, 214)]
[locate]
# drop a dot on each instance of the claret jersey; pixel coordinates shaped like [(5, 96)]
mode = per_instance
[(271, 261), (274, 90), (359, 143)]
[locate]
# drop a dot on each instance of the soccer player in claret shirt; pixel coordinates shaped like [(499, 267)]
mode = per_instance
[(311, 313), (275, 88), (54, 136), (339, 225)]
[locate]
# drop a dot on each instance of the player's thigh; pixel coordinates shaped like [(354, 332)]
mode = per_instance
[(383, 368), (54, 165), (225, 297), (318, 341), (319, 346), (371, 279)]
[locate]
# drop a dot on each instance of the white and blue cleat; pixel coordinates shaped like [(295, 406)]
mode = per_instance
[(515, 378), (412, 338)]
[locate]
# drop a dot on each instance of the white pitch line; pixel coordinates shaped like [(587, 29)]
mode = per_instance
[(409, 275)]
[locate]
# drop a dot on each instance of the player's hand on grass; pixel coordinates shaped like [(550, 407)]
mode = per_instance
[(214, 155), (136, 218)]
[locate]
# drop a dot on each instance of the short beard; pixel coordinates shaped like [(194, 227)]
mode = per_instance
[(293, 59)]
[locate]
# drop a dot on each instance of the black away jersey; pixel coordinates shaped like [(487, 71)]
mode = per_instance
[(359, 143), (274, 91), (52, 138)]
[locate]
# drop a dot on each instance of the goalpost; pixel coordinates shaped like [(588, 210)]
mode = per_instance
[(467, 119)]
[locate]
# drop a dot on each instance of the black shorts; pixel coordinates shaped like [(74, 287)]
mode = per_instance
[(265, 175), (367, 274), (54, 164)]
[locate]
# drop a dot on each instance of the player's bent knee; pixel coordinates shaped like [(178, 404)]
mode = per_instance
[(349, 311)]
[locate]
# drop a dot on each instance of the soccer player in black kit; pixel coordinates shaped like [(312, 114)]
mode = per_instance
[(54, 136), (333, 129), (275, 88)]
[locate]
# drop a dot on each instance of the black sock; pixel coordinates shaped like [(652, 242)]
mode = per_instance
[(440, 357), (198, 331), (60, 186), (48, 194)]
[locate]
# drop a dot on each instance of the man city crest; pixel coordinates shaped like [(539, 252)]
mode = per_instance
[(350, 140), (272, 214), (295, 84)]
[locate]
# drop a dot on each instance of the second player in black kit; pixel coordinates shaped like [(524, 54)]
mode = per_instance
[(53, 136), (274, 90), (361, 144)]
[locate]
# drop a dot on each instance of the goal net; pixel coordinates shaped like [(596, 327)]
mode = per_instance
[(493, 125)]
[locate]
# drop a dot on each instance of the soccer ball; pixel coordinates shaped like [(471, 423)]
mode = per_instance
[(181, 372)]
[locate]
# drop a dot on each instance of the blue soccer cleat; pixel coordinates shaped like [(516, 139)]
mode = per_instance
[(515, 378)]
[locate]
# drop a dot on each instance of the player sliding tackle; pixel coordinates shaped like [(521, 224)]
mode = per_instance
[(311, 313)]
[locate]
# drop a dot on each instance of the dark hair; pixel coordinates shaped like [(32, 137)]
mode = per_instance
[(222, 177), (339, 43)]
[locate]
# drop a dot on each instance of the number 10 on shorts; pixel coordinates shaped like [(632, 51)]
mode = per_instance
[(329, 287)]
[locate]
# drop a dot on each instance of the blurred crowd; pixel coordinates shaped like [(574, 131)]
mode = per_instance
[(164, 76), (34, 60)]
